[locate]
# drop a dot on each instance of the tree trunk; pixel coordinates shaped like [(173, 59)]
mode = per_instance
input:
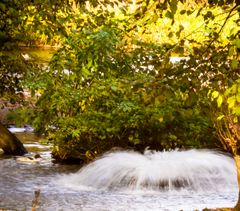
[(9, 143), (237, 161)]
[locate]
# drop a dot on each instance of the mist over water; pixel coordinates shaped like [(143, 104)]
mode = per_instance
[(192, 171)]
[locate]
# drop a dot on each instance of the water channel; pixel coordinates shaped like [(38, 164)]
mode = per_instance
[(119, 181)]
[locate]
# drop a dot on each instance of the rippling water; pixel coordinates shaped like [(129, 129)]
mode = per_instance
[(65, 187)]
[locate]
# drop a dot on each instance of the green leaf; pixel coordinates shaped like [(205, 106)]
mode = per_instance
[(235, 119), (238, 97), (173, 6), (209, 15), (234, 64), (114, 88), (234, 89), (130, 138), (2, 6), (189, 12), (231, 51), (169, 15), (182, 12), (236, 110), (170, 35), (237, 42), (85, 72), (136, 141)]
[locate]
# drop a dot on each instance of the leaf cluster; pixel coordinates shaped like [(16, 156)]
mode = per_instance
[(113, 83)]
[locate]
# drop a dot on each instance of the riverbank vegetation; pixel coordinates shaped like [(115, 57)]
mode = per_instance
[(137, 74)]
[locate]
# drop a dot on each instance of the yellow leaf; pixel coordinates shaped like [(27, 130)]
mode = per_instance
[(219, 100), (231, 102), (220, 117), (215, 94)]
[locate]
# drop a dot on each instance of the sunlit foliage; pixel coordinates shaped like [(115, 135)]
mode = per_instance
[(113, 82)]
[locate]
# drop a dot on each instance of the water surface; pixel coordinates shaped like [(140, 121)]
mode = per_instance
[(65, 187)]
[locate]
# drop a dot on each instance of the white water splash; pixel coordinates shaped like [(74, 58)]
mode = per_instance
[(26, 128), (192, 170)]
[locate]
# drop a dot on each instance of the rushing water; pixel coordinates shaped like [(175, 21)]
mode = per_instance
[(121, 180)]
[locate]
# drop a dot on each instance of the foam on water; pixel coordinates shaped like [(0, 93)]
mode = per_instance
[(192, 170)]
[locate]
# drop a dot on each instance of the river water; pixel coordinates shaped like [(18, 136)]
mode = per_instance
[(119, 181)]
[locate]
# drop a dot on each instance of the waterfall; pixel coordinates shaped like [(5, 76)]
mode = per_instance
[(190, 170)]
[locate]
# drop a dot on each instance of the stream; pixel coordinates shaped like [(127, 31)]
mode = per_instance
[(119, 181)]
